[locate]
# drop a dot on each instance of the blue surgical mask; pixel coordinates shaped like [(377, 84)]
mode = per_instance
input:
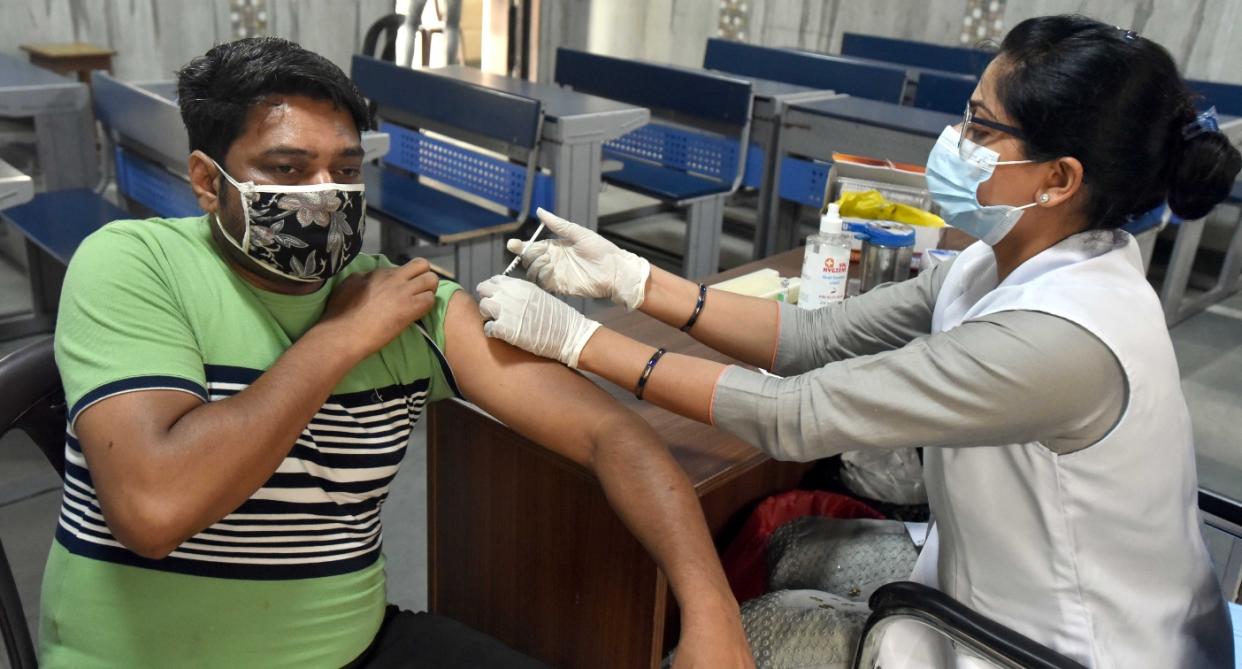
[(954, 171)]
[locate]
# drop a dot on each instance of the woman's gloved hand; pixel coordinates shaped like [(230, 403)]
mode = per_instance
[(583, 264), (519, 313)]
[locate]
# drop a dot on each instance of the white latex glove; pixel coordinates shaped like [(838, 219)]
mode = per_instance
[(521, 314), (583, 264)]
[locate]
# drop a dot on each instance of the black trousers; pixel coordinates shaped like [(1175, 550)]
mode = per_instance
[(417, 640)]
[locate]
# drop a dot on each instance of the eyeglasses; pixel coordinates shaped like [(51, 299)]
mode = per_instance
[(976, 137)]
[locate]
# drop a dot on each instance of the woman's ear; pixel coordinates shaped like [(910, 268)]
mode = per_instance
[(1061, 183), (205, 180)]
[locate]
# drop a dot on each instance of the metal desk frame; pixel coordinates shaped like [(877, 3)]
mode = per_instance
[(65, 145), (815, 130), (771, 100), (17, 188), (64, 126)]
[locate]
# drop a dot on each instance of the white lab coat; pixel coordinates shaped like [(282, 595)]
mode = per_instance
[(1097, 553)]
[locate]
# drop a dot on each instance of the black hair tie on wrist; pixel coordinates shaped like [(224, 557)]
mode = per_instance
[(698, 308), (642, 380)]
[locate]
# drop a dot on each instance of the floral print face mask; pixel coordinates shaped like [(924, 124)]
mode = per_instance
[(302, 233)]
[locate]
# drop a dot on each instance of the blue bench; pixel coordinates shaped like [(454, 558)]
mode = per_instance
[(943, 91), (147, 142), (54, 224), (873, 80), (461, 171), (942, 77), (149, 187), (961, 60), (693, 157), (1226, 97), (58, 221), (802, 181)]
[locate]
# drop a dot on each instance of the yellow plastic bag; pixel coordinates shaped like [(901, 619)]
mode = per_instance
[(871, 205)]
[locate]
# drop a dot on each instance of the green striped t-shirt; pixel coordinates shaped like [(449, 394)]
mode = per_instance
[(293, 577)]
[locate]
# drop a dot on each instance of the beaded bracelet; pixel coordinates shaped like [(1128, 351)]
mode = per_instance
[(642, 380), (698, 308)]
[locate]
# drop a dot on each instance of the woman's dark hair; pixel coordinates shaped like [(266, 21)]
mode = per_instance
[(216, 90), (1115, 101)]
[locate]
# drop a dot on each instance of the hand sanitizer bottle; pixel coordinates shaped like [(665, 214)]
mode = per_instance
[(826, 263)]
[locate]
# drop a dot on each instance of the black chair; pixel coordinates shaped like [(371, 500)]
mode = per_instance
[(388, 27), (956, 622), (33, 401)]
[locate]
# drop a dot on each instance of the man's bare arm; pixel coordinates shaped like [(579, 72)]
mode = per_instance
[(573, 417)]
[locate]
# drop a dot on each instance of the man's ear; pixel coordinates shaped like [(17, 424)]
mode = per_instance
[(205, 179)]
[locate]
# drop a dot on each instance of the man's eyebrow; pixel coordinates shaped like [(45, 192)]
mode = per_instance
[(354, 151), (288, 151)]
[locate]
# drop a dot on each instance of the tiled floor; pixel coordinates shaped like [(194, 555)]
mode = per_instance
[(1209, 348), (1209, 352)]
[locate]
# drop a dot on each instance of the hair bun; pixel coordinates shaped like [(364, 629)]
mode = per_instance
[(1202, 174)]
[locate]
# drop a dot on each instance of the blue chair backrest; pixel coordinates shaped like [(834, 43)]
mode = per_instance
[(916, 54), (944, 91), (871, 80), (491, 178), (712, 156), (450, 103), (154, 187), (696, 94), (150, 158), (1146, 221), (1226, 97), (414, 100), (141, 117)]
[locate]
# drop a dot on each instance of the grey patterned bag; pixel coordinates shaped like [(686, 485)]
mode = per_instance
[(803, 629), (849, 558), (821, 571)]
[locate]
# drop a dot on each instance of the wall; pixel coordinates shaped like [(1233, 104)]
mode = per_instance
[(818, 26), (472, 31), (1204, 36), (153, 38), (332, 28)]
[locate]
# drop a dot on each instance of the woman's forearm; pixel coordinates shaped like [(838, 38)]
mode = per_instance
[(744, 328), (680, 383)]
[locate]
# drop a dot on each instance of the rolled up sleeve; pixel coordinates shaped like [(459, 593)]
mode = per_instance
[(996, 380), (884, 319)]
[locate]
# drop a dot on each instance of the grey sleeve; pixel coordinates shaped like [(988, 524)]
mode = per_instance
[(1012, 377), (883, 319)]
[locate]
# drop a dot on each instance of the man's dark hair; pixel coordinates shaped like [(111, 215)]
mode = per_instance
[(216, 90)]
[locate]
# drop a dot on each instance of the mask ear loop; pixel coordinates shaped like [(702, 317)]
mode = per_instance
[(243, 190)]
